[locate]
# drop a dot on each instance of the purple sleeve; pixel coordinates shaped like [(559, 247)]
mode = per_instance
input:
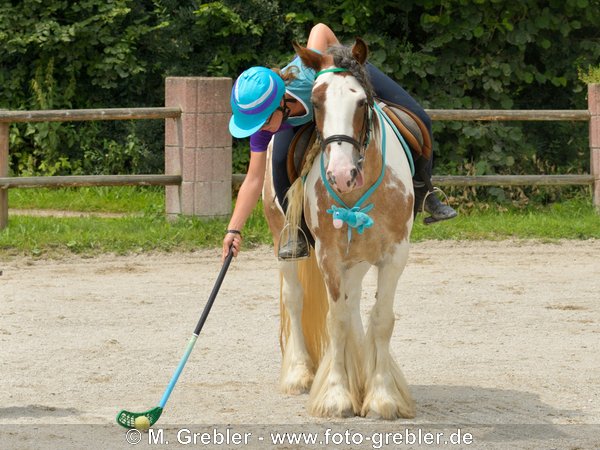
[(259, 141)]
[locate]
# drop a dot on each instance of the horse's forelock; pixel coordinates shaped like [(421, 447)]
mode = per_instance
[(343, 58)]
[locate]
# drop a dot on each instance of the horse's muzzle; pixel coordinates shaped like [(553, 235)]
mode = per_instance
[(345, 180)]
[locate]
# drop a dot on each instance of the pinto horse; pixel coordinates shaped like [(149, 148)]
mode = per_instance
[(362, 173)]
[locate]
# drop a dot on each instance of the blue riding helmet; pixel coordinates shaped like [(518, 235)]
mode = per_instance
[(256, 94)]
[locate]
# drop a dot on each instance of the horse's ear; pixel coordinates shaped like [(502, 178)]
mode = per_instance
[(310, 59), (360, 51)]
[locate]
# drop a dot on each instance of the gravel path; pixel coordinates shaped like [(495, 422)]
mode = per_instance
[(497, 339)]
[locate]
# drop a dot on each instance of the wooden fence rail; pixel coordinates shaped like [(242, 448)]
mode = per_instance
[(484, 180), (501, 114), (78, 115), (198, 175), (90, 180), (6, 182)]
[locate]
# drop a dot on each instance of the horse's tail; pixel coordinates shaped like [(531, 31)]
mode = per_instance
[(314, 306), (293, 213), (314, 310)]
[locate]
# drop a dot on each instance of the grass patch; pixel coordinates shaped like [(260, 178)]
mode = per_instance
[(55, 236), (114, 199), (571, 219), (144, 228)]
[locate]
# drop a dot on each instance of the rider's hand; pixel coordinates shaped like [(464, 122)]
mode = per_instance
[(232, 237)]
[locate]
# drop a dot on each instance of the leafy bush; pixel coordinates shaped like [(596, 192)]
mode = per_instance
[(591, 75)]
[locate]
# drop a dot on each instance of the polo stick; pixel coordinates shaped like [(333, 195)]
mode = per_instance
[(127, 419)]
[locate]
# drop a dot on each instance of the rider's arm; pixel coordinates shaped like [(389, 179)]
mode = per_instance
[(247, 199)]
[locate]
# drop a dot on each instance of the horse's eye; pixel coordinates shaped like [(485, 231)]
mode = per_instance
[(362, 102)]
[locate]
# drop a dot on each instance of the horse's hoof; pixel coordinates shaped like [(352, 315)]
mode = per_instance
[(296, 387), (387, 410), (297, 381), (336, 403)]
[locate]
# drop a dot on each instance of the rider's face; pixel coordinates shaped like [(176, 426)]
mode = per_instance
[(274, 121)]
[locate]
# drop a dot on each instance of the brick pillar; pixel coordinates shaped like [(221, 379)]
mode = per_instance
[(198, 147), (594, 108), (4, 133)]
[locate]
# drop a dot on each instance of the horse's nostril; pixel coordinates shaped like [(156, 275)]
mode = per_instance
[(330, 177)]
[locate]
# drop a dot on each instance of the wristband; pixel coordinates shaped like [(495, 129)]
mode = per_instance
[(238, 232)]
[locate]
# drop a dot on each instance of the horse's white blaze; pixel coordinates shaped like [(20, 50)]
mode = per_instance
[(342, 96)]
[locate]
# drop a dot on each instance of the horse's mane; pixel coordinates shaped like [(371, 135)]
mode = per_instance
[(342, 57)]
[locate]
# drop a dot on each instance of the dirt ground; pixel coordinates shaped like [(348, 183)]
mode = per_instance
[(498, 341)]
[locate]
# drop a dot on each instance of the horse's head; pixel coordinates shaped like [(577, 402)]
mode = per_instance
[(342, 99)]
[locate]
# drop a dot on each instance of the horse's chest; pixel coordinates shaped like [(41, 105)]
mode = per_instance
[(391, 215)]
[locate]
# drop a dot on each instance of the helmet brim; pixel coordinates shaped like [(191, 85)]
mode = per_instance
[(241, 127)]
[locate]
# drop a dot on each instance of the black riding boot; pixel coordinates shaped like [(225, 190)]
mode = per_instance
[(294, 248), (431, 204)]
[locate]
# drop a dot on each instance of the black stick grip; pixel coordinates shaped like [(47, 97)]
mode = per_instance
[(215, 291)]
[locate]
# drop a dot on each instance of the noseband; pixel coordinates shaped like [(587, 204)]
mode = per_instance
[(339, 138)]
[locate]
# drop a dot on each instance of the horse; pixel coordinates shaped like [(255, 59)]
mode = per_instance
[(358, 159)]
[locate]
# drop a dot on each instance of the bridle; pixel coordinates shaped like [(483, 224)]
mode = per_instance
[(356, 216), (365, 137)]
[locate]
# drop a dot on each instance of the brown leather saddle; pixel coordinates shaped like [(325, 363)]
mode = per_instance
[(410, 126)]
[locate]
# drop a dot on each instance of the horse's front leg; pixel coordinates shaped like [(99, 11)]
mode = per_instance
[(338, 386), (297, 370), (387, 393)]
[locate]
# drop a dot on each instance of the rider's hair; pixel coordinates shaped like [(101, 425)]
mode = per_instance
[(289, 75)]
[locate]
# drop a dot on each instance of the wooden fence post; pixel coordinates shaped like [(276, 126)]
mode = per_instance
[(4, 134), (594, 108), (198, 146)]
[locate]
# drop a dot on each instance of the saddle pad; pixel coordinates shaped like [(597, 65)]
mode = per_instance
[(411, 127)]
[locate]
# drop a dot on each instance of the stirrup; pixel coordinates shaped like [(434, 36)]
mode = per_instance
[(300, 239), (430, 219)]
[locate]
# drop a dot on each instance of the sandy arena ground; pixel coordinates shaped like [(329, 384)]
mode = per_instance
[(496, 339)]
